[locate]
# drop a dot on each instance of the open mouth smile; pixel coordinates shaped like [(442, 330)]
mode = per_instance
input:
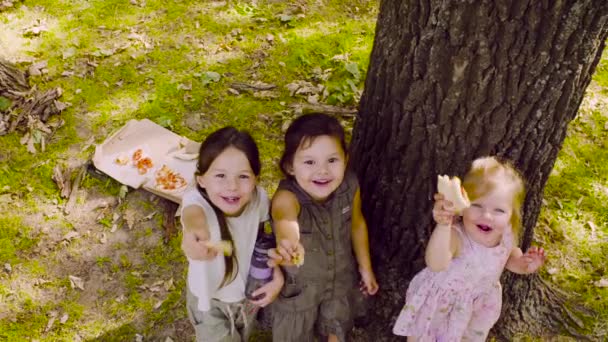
[(321, 182), (484, 228), (231, 199)]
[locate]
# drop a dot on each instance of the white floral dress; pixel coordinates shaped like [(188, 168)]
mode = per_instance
[(461, 303)]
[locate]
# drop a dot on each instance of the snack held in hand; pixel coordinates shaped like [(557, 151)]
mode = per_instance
[(223, 246), (452, 190), (297, 259)]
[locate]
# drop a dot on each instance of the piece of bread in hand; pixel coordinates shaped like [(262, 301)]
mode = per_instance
[(222, 246), (297, 259), (453, 191)]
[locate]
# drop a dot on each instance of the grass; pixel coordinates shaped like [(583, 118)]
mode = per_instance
[(574, 221), (176, 65)]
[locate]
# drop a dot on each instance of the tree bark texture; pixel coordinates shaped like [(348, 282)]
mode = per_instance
[(450, 81)]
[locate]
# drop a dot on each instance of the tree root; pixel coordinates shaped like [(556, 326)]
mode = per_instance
[(536, 307)]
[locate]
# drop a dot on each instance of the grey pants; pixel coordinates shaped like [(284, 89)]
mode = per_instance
[(224, 322)]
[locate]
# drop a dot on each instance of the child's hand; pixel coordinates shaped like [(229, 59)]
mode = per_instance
[(270, 291), (534, 258), (443, 210), (287, 253), (194, 245), (368, 284)]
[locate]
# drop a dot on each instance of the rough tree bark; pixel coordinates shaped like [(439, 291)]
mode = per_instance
[(450, 81)]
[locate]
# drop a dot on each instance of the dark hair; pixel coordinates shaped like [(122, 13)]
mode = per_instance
[(211, 148), (306, 128)]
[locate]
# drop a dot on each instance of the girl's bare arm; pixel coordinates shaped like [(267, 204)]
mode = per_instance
[(196, 232), (360, 241), (284, 211), (444, 242)]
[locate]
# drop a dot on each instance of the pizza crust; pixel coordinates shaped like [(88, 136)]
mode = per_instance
[(453, 191)]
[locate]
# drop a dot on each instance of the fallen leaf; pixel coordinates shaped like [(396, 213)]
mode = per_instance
[(593, 229), (158, 304), (71, 235), (40, 281), (68, 52), (184, 86), (130, 217), (76, 283), (285, 17), (601, 283), (168, 285), (149, 216), (341, 57), (35, 69), (49, 325), (35, 30), (265, 94), (30, 145)]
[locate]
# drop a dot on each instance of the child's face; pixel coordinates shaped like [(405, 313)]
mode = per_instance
[(229, 181), (489, 216), (319, 167)]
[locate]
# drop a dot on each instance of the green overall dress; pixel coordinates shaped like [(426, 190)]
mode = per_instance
[(316, 297)]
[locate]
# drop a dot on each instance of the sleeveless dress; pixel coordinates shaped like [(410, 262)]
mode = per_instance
[(317, 296), (461, 303)]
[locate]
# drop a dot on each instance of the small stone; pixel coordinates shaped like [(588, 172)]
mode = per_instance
[(8, 268)]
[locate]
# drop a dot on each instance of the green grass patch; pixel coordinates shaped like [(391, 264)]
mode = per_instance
[(16, 239)]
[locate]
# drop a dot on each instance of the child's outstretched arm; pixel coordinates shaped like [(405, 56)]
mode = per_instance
[(284, 211), (444, 242), (196, 234), (361, 248), (527, 263)]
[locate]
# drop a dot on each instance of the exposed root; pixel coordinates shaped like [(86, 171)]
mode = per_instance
[(535, 307)]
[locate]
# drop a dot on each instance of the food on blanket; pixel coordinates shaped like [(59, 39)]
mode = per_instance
[(144, 164), (169, 180), (121, 160), (223, 246), (137, 155), (453, 192)]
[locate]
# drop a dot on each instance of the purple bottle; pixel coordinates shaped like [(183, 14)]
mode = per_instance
[(259, 271)]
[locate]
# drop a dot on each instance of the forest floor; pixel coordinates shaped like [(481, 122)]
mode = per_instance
[(103, 272)]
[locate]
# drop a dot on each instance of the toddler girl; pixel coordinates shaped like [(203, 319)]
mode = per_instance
[(227, 206), (457, 297), (317, 210)]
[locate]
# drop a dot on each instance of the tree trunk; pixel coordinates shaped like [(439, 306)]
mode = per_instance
[(450, 81)]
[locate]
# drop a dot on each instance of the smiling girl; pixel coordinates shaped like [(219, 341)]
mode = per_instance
[(317, 212), (227, 206), (457, 297)]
